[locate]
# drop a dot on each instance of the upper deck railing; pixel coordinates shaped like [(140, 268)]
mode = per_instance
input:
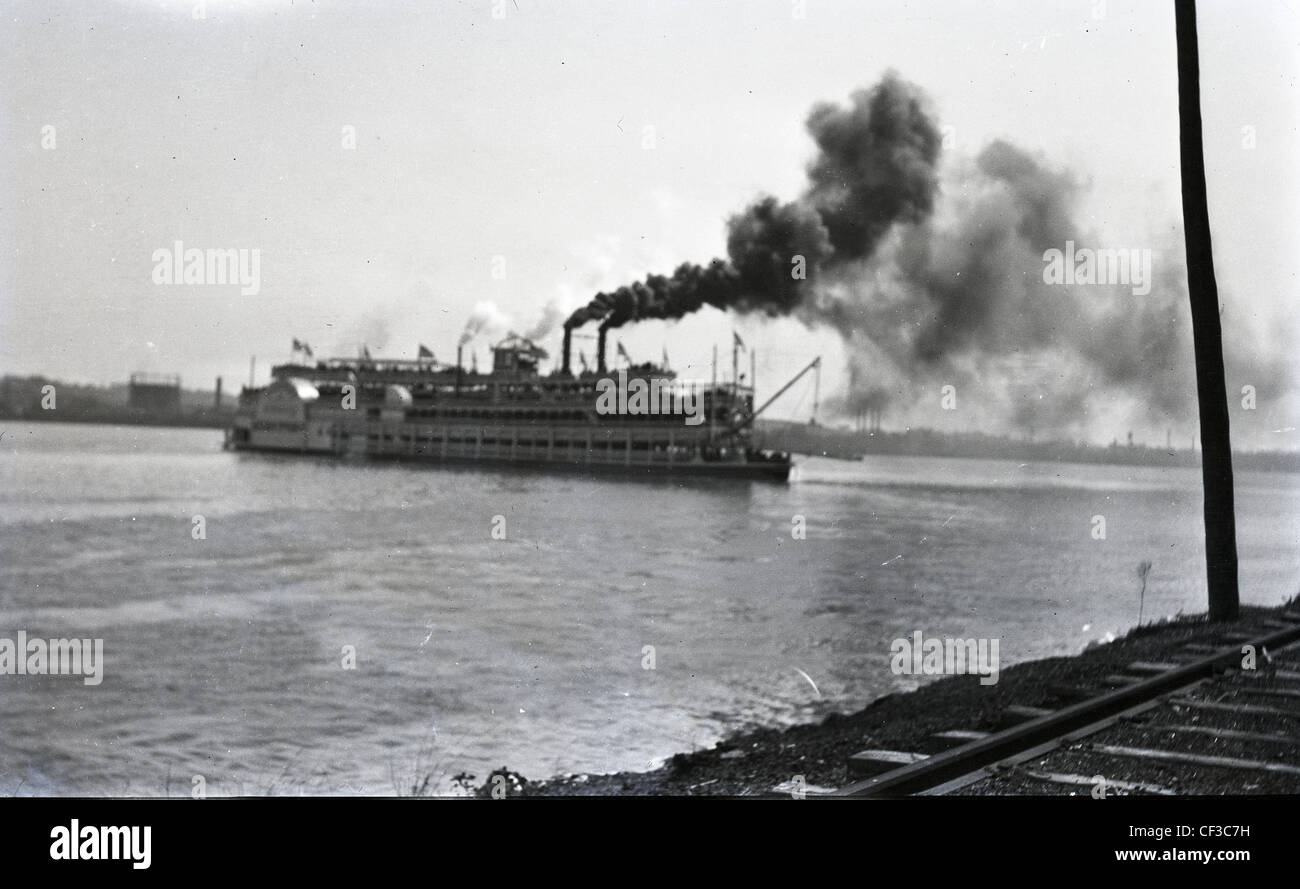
[(426, 378)]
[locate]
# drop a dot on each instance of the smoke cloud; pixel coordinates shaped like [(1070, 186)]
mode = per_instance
[(486, 317), (551, 316), (935, 280), (960, 299), (875, 166)]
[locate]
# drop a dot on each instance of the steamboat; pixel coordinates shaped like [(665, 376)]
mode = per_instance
[(422, 410)]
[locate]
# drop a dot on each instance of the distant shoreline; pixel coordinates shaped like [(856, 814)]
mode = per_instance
[(842, 444), (815, 441), (184, 422)]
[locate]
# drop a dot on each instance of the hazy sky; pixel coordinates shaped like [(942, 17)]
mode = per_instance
[(524, 137)]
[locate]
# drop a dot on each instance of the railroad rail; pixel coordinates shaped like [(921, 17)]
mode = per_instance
[(1073, 748)]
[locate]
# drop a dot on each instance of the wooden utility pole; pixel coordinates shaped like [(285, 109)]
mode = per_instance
[(1207, 335)]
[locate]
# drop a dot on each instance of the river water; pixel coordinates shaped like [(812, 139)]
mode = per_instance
[(352, 628)]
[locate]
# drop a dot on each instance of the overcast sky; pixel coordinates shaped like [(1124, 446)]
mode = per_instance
[(524, 137)]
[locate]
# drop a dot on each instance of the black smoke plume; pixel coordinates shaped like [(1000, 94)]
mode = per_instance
[(960, 299), (875, 166), (928, 293)]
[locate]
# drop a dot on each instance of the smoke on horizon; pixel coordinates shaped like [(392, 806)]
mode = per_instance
[(936, 278)]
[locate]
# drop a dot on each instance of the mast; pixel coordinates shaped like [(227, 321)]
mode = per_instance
[(816, 363), (817, 384), (712, 386), (735, 366)]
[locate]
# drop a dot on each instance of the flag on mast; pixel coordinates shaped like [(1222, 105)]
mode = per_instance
[(623, 352), (665, 358), (739, 342), (425, 352)]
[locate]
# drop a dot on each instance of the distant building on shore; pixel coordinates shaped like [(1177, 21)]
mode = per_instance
[(155, 395)]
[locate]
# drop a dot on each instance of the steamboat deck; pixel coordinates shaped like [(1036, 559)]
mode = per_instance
[(640, 420)]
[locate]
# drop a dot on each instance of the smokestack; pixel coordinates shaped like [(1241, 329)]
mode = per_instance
[(460, 369), (568, 342), (600, 350), (216, 402)]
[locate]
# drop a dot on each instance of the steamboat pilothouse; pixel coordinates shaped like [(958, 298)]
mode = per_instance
[(425, 411)]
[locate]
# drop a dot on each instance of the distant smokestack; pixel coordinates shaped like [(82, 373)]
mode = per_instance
[(460, 368), (568, 342), (600, 350), (216, 402)]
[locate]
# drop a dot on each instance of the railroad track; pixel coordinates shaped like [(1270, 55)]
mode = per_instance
[(1156, 725)]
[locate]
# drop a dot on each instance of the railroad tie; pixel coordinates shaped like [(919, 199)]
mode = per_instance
[(1223, 733), (1085, 781), (869, 763), (1174, 756), (1151, 668), (1264, 673), (1225, 707), (1291, 693), (957, 737)]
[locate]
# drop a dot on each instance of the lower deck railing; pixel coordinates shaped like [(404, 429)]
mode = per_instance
[(466, 443)]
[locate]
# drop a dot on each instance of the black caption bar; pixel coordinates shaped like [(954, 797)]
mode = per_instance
[(329, 837)]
